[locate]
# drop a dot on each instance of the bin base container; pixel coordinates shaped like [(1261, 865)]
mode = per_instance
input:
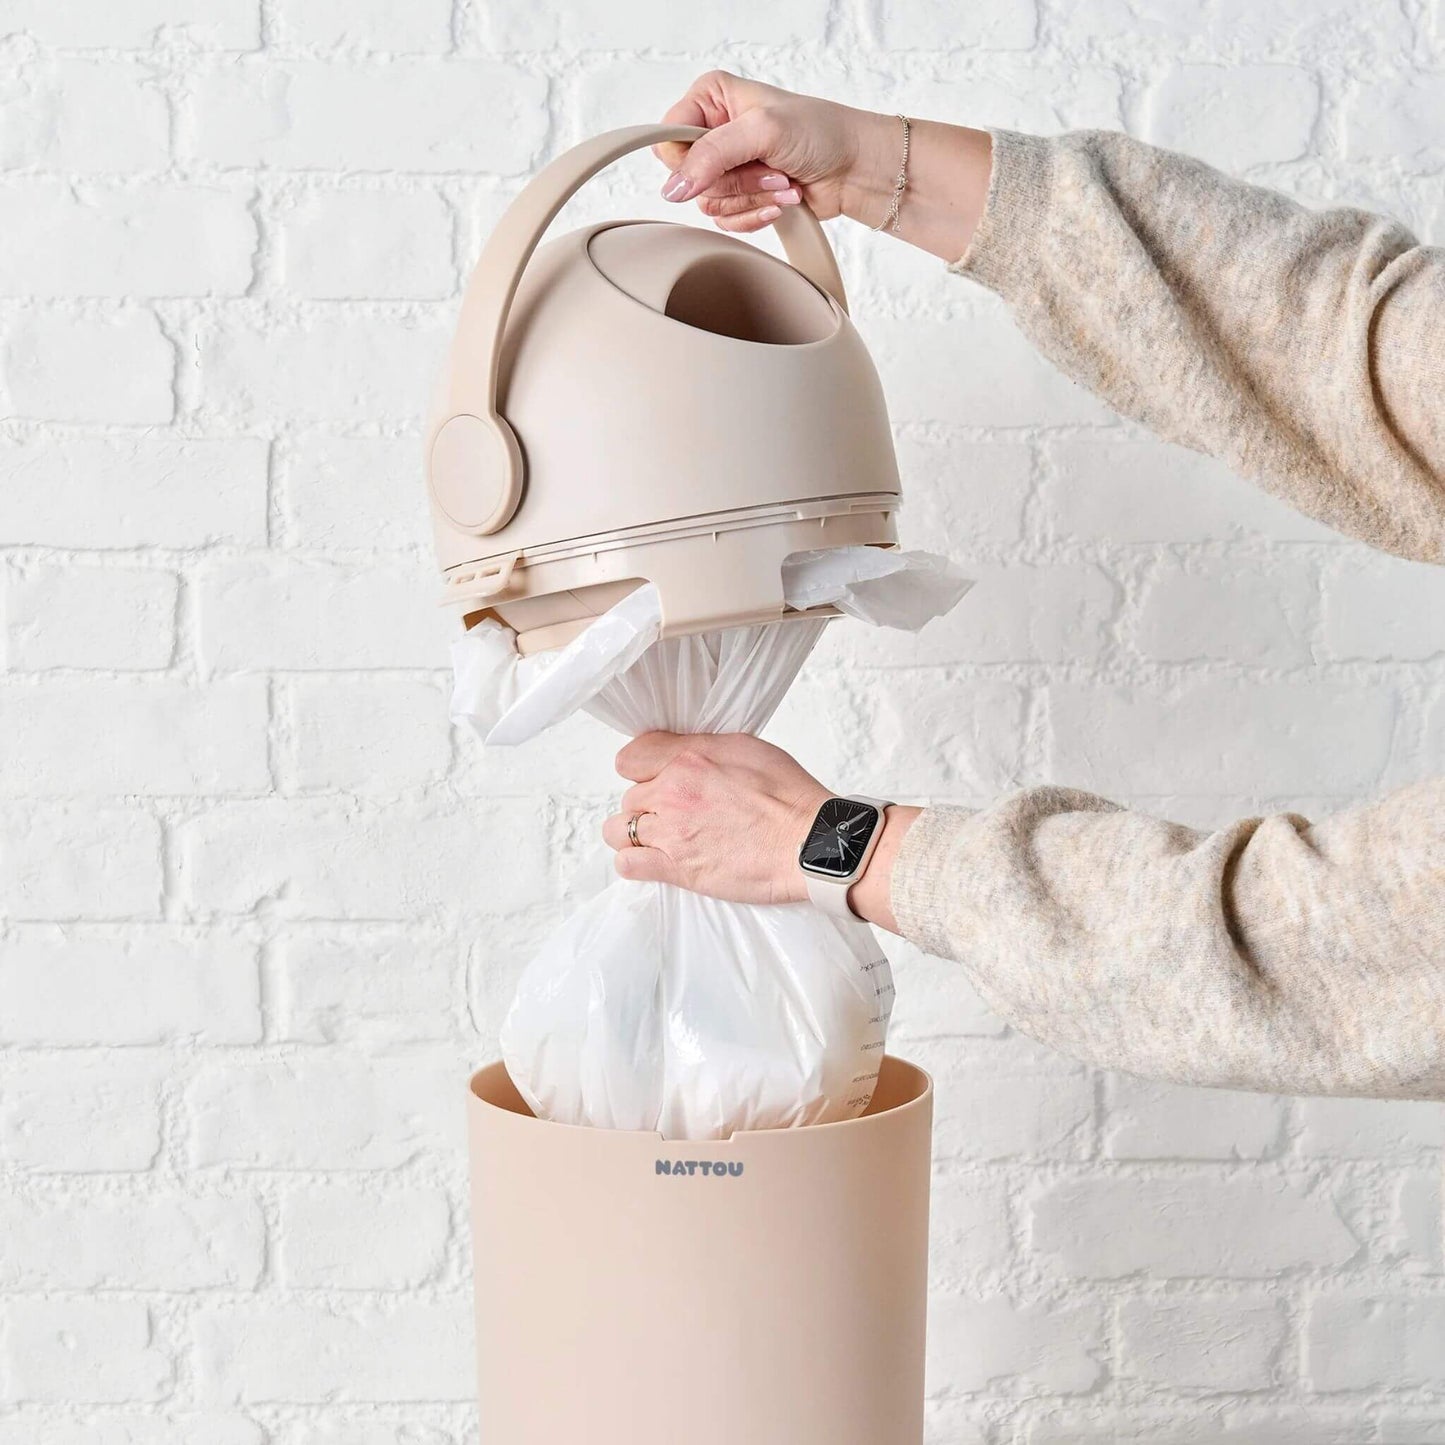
[(766, 1289)]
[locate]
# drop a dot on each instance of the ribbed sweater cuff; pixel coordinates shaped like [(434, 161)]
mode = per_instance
[(1000, 255), (922, 887)]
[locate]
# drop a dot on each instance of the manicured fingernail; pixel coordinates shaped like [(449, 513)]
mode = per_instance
[(773, 182), (677, 187), (769, 213), (790, 197)]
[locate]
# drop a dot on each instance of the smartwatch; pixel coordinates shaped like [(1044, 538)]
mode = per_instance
[(836, 852)]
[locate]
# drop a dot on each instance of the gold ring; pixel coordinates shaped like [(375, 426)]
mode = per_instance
[(632, 830)]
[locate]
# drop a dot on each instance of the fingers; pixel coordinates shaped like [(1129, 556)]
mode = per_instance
[(641, 862), (748, 198), (749, 221), (641, 798), (644, 865), (716, 99), (720, 206), (616, 836), (692, 109), (753, 179), (705, 105), (646, 756), (727, 168), (733, 144), (701, 106), (716, 96), (688, 111)]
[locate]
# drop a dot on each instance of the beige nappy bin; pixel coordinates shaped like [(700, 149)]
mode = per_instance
[(641, 401), (767, 1289), (646, 402)]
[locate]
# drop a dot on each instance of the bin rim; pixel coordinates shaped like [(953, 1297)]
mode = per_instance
[(921, 1099)]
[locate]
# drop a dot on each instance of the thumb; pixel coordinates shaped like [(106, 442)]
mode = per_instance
[(733, 144), (646, 756)]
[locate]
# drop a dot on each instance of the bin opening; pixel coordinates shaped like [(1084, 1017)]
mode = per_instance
[(899, 1084), (735, 296)]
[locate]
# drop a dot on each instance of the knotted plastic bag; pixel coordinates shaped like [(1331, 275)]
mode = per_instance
[(658, 1009)]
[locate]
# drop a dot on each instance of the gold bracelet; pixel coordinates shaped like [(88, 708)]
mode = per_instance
[(891, 221)]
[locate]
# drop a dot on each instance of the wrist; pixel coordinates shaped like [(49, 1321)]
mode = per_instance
[(946, 190), (868, 187), (870, 897), (790, 886)]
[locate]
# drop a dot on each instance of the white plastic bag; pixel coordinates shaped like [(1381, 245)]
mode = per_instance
[(655, 1008)]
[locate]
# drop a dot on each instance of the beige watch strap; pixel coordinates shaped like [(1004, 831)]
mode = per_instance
[(831, 894)]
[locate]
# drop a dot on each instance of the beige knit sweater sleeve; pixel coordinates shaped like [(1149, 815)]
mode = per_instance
[(1306, 349)]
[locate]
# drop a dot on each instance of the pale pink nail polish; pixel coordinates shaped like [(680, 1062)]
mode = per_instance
[(790, 197), (773, 182), (677, 187), (770, 213)]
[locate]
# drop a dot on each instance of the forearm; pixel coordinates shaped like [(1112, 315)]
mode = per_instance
[(1303, 348), (1272, 954)]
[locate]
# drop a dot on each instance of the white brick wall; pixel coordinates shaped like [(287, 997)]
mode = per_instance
[(260, 911)]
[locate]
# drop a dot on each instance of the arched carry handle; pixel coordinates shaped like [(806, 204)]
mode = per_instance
[(473, 461)]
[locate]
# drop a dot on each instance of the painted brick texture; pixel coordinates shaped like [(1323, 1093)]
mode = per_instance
[(261, 911)]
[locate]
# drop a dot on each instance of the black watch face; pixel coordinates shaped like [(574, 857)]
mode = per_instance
[(834, 846)]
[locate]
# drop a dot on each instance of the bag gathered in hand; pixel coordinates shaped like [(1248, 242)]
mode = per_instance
[(654, 1008)]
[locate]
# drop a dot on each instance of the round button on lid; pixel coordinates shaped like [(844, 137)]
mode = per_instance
[(475, 472)]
